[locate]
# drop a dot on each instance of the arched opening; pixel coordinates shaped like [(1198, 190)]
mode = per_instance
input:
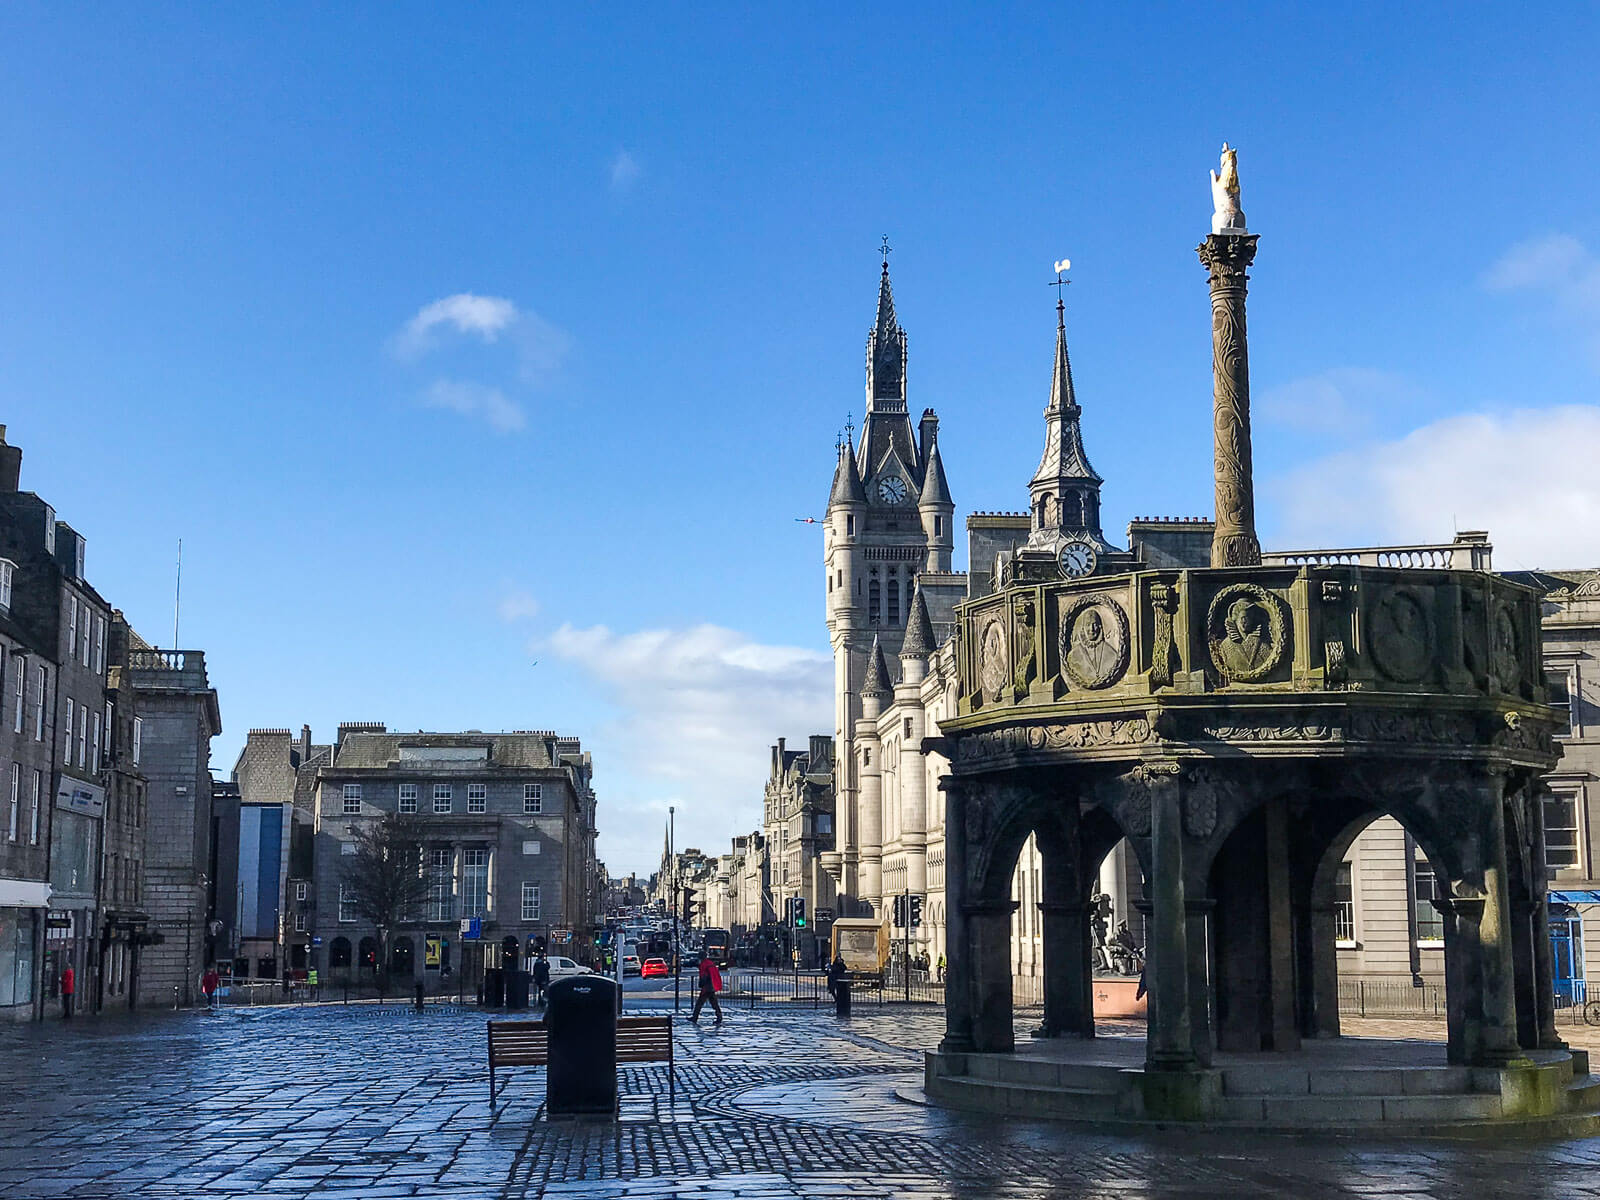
[(339, 954), (367, 955), (402, 960)]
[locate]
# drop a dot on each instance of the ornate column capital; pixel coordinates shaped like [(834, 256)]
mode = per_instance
[(1228, 256)]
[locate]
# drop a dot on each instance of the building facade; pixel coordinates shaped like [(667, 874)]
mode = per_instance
[(509, 844)]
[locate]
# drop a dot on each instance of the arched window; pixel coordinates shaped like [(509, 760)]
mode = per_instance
[(894, 601), (874, 602)]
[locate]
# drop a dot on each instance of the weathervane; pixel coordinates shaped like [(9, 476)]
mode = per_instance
[(1063, 265)]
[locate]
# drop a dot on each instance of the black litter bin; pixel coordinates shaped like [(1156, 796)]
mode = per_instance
[(841, 997), (516, 990), (494, 988), (581, 1016)]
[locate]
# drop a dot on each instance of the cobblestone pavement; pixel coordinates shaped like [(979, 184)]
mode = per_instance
[(780, 1102)]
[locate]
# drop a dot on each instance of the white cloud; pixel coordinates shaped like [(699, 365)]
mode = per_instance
[(474, 400), (1518, 475), (518, 606), (1560, 267), (484, 317), (1340, 400), (540, 346), (696, 712), (625, 171)]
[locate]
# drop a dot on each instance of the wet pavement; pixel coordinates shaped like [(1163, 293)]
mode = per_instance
[(780, 1102)]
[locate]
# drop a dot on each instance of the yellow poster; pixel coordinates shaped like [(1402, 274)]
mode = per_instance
[(431, 952)]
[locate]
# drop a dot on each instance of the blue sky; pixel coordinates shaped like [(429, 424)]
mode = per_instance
[(454, 340)]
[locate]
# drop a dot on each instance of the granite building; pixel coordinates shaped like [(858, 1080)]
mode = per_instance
[(509, 843)]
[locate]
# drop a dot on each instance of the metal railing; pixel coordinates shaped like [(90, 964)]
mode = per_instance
[(1390, 998)]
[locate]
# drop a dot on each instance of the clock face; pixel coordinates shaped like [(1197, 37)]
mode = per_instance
[(892, 490), (1077, 559)]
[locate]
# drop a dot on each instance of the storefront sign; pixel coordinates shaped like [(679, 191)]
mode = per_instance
[(80, 797)]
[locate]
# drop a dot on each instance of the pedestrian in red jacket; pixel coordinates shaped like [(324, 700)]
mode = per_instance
[(710, 985), (69, 983)]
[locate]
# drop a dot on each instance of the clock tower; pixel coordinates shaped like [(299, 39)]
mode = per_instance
[(889, 523)]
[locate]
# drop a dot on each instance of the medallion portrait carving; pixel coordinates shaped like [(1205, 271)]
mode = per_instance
[(1402, 636), (993, 659), (1247, 632), (1506, 643), (1094, 642)]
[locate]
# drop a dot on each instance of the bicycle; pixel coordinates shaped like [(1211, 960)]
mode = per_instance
[(1591, 1012)]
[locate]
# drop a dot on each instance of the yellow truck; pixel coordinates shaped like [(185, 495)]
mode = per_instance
[(863, 943)]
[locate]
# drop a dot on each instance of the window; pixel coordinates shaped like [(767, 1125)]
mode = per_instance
[(14, 822), (439, 908), (442, 796), (100, 645), (43, 672), (1425, 888), (938, 526), (138, 738), (94, 754), (6, 568), (874, 602), (907, 727), (849, 525), (83, 736), (474, 883), (894, 602), (866, 756), (352, 798), (347, 903), (825, 823), (37, 799), (299, 922), (1560, 830), (477, 798), (22, 694), (532, 798), (105, 746), (72, 627), (300, 890), (1344, 905), (66, 749), (408, 797), (530, 902)]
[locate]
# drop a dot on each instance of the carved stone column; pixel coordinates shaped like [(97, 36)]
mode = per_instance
[(958, 943), (1499, 1037), (1226, 257), (989, 939), (1068, 975), (1169, 1045)]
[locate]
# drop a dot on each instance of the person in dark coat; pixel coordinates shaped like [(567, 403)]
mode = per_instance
[(541, 975)]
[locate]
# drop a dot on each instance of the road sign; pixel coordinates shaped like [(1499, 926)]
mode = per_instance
[(472, 928), (317, 941)]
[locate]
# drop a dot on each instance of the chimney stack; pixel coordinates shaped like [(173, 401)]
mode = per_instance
[(10, 464)]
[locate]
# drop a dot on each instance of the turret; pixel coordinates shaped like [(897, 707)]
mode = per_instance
[(847, 504), (934, 504), (875, 688), (918, 643)]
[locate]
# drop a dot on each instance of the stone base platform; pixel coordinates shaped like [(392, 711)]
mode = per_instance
[(1338, 1086)]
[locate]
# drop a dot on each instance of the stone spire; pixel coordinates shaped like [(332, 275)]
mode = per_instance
[(919, 641), (886, 348), (877, 681), (847, 487), (935, 487), (1065, 490)]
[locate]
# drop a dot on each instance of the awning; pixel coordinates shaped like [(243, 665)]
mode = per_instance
[(24, 893), (1575, 897)]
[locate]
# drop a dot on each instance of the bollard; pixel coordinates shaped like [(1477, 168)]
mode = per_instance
[(419, 997), (174, 997)]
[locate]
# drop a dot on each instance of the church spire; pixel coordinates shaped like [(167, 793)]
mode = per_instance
[(886, 350), (1065, 490)]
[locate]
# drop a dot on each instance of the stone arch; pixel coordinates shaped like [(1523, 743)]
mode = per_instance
[(339, 955), (402, 957), (367, 955)]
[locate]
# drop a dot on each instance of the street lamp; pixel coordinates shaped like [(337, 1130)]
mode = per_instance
[(677, 942)]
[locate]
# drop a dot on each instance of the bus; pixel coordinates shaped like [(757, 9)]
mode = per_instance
[(717, 944), (863, 943)]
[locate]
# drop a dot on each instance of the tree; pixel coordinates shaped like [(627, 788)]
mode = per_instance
[(384, 879)]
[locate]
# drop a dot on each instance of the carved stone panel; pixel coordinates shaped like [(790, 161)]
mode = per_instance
[(1094, 641), (1248, 632), (1200, 801), (994, 660), (1506, 647), (1027, 659), (1401, 635)]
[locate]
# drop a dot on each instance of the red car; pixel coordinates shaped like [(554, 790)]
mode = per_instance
[(652, 967)]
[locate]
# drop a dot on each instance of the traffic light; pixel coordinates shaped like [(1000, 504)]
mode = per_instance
[(688, 907), (916, 911), (799, 912), (899, 912)]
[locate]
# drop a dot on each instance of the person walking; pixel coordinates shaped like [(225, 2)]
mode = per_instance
[(541, 976), (69, 983), (941, 968), (209, 983), (710, 985)]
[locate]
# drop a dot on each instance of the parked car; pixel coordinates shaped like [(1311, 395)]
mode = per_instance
[(653, 967)]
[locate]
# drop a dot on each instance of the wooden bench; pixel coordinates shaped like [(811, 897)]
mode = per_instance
[(527, 1044)]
